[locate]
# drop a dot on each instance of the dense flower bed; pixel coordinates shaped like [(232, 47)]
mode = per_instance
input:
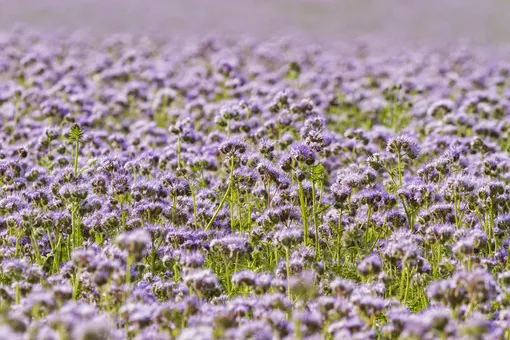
[(242, 189)]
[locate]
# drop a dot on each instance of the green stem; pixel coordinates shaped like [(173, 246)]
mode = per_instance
[(52, 246), (508, 258), (18, 293), (287, 267), (303, 211), (76, 150), (224, 196), (491, 225), (315, 222), (339, 238), (35, 245), (408, 285), (174, 208), (129, 262), (402, 287), (231, 204), (399, 169), (194, 204), (76, 284), (75, 226), (269, 194), (178, 151), (17, 110), (369, 216), (218, 209), (57, 254), (18, 237), (122, 214)]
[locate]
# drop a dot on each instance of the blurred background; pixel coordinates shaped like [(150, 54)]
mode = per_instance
[(479, 21)]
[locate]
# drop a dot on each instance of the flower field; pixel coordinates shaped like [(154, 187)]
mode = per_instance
[(221, 188)]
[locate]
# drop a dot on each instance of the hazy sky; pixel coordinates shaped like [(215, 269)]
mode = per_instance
[(414, 20)]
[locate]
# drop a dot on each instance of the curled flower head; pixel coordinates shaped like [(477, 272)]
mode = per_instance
[(135, 242), (233, 146), (404, 146)]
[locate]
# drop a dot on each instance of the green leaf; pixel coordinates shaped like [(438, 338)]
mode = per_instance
[(318, 172), (75, 133), (294, 70)]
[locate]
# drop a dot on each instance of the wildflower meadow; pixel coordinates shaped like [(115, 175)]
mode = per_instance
[(243, 188)]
